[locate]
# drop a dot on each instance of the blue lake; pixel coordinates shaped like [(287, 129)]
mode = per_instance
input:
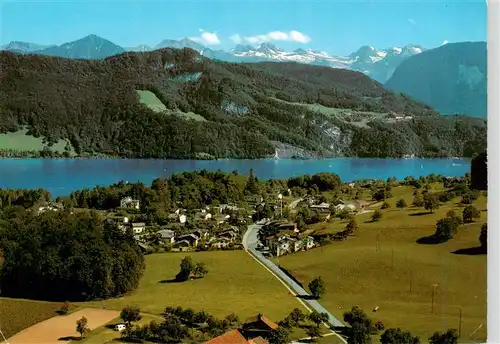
[(61, 176)]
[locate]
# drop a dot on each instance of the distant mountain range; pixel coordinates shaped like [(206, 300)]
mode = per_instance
[(378, 64), (452, 78)]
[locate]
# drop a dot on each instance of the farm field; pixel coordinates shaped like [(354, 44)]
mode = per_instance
[(18, 314), (234, 283), (57, 328), (20, 141), (384, 266)]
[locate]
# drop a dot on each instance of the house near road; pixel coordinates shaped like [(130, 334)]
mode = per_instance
[(255, 330), (258, 326), (128, 202), (286, 244)]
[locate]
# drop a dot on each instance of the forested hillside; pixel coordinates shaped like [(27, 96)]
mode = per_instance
[(215, 109)]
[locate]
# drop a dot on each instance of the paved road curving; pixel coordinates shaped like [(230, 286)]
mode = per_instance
[(250, 240)]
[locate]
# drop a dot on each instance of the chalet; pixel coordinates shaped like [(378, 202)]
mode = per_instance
[(235, 337), (128, 202), (220, 243), (227, 234), (220, 219), (323, 207), (190, 238), (120, 221), (308, 242), (201, 233), (182, 244), (258, 326), (138, 227), (167, 236), (203, 215), (181, 218), (49, 206)]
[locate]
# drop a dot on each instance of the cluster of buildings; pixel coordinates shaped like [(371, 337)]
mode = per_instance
[(255, 330), (283, 237), (214, 233)]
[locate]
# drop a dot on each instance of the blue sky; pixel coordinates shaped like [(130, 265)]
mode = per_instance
[(333, 26)]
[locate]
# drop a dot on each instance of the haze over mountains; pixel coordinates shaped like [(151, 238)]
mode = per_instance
[(452, 78), (378, 64)]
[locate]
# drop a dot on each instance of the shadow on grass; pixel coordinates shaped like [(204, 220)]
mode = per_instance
[(471, 251), (306, 297), (429, 240), (70, 338), (286, 272), (172, 280), (422, 213)]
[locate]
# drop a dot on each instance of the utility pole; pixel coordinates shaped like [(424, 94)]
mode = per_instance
[(411, 276), (433, 291), (460, 324)]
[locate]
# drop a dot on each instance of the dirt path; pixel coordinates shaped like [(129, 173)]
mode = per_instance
[(49, 331)]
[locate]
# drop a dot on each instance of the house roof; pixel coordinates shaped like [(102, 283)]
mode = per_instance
[(262, 318), (138, 224), (258, 340), (231, 337), (166, 233), (186, 236)]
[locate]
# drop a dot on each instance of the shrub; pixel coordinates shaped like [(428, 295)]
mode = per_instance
[(401, 203), (445, 229), (469, 213), (377, 215), (385, 206)]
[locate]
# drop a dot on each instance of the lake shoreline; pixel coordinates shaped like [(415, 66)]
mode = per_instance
[(61, 176)]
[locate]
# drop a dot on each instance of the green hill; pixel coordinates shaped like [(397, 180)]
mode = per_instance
[(239, 110)]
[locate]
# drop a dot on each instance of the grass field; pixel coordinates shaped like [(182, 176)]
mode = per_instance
[(356, 272), (149, 99), (22, 142), (358, 118), (17, 315), (106, 334), (235, 283)]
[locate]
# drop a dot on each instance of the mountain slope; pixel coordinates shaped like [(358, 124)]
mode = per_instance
[(91, 47), (23, 47), (452, 78), (190, 106)]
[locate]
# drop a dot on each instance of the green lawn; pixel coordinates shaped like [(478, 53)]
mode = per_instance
[(235, 283), (20, 141), (17, 315), (357, 273), (149, 99), (107, 335)]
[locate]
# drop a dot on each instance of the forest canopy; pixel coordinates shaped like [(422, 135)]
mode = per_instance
[(247, 109)]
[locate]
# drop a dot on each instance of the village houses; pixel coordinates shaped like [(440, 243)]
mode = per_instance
[(128, 202)]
